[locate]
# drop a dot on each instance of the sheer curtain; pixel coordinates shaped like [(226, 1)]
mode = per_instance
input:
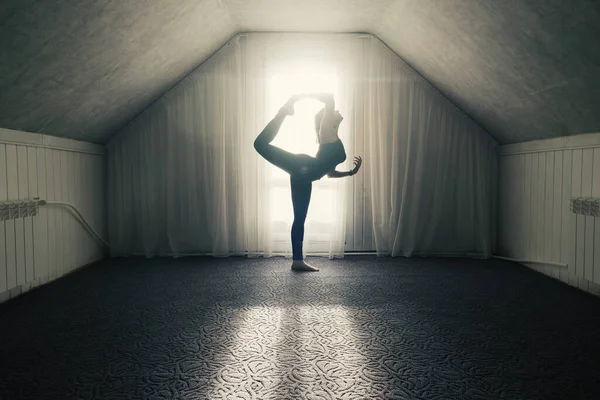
[(184, 177), (178, 173), (430, 171)]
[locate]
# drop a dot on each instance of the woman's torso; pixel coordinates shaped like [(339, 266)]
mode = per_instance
[(328, 156), (332, 153)]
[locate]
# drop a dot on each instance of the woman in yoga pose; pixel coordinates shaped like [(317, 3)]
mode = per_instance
[(304, 169)]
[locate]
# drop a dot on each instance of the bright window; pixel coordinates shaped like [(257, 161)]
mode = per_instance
[(297, 135)]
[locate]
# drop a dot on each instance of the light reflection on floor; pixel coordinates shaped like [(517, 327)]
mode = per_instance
[(302, 350)]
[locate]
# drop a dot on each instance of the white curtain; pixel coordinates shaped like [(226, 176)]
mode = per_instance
[(184, 177), (430, 171)]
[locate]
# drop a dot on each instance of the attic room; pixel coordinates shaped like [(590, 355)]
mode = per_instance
[(275, 199)]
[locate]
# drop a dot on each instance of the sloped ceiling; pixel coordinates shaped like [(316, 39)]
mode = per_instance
[(81, 69), (523, 69)]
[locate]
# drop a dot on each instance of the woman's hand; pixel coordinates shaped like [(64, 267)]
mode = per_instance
[(357, 164), (326, 98)]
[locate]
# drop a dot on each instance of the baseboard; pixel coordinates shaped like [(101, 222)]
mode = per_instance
[(37, 283), (562, 275)]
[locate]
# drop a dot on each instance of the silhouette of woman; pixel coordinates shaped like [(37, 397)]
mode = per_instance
[(304, 169)]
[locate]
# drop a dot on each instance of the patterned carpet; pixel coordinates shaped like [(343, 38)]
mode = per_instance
[(363, 327)]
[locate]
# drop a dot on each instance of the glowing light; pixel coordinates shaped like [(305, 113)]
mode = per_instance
[(297, 135), (271, 350)]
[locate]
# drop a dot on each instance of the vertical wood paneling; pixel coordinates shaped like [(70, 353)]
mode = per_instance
[(20, 234), (579, 219), (515, 176), (526, 216), (536, 216), (117, 227), (29, 222), (520, 194), (35, 250), (86, 208), (557, 204), (68, 228), (596, 193), (101, 190), (586, 190), (503, 206), (549, 211), (12, 187), (511, 201), (76, 191), (59, 180), (594, 289), (41, 223), (98, 201), (534, 206), (557, 196), (3, 196), (66, 214), (56, 244), (51, 211), (583, 284), (569, 219), (58, 215), (73, 225), (88, 201), (542, 187), (101, 202), (541, 205)]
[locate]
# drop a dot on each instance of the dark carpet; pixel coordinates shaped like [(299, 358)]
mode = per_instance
[(363, 327)]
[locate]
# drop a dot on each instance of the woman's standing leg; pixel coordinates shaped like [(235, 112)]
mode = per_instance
[(301, 191)]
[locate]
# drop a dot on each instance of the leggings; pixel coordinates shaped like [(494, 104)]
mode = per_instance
[(303, 170)]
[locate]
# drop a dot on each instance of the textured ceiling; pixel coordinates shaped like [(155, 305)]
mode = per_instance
[(524, 69), (83, 68)]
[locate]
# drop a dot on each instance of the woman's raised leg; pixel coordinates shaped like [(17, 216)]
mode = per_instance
[(280, 158)]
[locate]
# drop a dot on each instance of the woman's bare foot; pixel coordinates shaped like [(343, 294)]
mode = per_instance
[(300, 265), (288, 107)]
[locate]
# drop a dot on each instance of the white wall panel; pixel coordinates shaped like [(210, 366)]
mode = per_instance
[(58, 213), (567, 220), (588, 221), (3, 196), (41, 223), (36, 250), (579, 219), (538, 180), (76, 233), (10, 226), (549, 206), (66, 217), (556, 209), (32, 184), (595, 277), (526, 217), (51, 187)]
